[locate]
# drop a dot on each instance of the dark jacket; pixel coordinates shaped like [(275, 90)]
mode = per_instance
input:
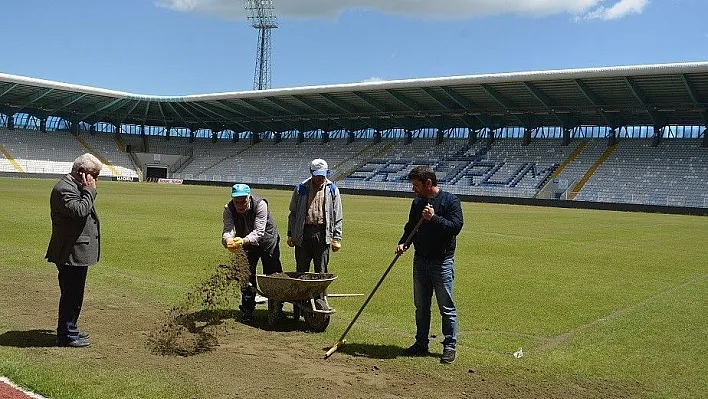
[(76, 233), (242, 225), (436, 238)]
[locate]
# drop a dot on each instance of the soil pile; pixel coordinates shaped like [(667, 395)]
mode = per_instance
[(303, 276)]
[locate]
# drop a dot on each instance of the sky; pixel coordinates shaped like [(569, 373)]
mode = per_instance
[(181, 47)]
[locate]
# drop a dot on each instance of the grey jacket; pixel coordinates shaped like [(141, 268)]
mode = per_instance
[(76, 232), (298, 211), (256, 226)]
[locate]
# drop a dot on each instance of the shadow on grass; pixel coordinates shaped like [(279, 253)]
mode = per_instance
[(28, 339), (284, 324), (196, 322), (187, 334), (375, 351), (192, 333)]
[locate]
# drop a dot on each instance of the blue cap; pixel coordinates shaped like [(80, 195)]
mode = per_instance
[(240, 190)]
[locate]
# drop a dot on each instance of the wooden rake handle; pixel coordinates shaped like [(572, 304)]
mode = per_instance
[(341, 341)]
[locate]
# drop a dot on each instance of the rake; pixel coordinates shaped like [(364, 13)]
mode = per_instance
[(341, 339)]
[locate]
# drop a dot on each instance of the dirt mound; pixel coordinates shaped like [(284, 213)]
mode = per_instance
[(186, 331)]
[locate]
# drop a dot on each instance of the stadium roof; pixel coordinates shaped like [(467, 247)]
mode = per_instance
[(641, 95)]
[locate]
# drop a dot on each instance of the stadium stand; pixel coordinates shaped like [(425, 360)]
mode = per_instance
[(503, 168), (54, 152), (286, 162), (619, 135), (674, 173)]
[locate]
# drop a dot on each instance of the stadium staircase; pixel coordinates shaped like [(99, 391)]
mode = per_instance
[(100, 157), (11, 160), (359, 160), (579, 186), (571, 158)]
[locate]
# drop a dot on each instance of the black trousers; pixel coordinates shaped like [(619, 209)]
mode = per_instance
[(72, 281), (314, 249), (270, 258)]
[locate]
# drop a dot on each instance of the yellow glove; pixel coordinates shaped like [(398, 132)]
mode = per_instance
[(336, 245), (234, 244), (291, 242)]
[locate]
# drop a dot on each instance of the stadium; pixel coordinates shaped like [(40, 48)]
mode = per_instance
[(630, 136), (580, 271)]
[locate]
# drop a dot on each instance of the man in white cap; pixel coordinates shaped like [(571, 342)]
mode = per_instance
[(248, 224), (315, 219)]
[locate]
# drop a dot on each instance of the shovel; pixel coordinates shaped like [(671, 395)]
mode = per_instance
[(341, 340)]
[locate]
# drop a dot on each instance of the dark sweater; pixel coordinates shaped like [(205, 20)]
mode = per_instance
[(435, 238)]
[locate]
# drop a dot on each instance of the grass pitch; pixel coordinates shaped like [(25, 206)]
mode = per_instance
[(589, 295)]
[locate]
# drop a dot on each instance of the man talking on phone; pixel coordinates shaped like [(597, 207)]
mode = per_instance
[(75, 243)]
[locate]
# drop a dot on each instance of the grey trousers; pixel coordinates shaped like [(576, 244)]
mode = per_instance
[(314, 249)]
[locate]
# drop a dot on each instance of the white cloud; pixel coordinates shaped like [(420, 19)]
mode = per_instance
[(602, 9), (372, 80), (619, 10)]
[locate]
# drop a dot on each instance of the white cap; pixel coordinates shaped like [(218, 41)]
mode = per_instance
[(318, 167)]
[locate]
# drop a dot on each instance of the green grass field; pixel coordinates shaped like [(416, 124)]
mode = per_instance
[(588, 295)]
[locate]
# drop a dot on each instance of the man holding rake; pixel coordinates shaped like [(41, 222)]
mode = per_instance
[(433, 262)]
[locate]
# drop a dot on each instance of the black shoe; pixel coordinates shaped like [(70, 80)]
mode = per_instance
[(448, 356), (246, 317), (74, 343), (246, 314), (416, 350)]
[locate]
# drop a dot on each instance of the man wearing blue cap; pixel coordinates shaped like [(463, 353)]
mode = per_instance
[(315, 219), (248, 224)]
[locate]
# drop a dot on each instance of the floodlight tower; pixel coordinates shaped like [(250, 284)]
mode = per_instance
[(262, 16)]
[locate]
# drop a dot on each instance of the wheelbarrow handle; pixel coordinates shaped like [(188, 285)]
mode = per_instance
[(366, 302)]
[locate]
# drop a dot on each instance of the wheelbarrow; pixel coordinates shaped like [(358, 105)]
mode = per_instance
[(306, 291)]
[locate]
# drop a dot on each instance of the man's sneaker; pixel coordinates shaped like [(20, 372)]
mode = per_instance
[(74, 343), (416, 350), (246, 314), (448, 356)]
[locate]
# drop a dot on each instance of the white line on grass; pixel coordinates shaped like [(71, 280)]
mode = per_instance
[(28, 393), (557, 340)]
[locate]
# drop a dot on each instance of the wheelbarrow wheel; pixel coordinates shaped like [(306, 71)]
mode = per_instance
[(315, 321)]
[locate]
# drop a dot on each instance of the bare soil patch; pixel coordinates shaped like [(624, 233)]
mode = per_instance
[(253, 360)]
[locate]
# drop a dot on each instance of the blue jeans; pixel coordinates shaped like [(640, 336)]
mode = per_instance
[(434, 276)]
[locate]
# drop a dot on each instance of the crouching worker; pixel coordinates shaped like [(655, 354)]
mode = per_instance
[(248, 224)]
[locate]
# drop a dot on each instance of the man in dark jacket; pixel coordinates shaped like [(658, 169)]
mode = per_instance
[(433, 262), (248, 224), (75, 243)]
